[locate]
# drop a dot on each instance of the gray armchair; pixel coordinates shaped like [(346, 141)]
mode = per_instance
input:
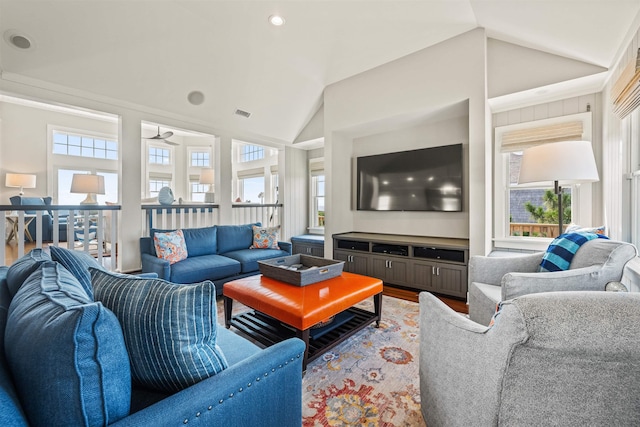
[(495, 279), (555, 358)]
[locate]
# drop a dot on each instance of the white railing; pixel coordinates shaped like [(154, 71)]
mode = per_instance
[(92, 229), (171, 217), (179, 216), (268, 215)]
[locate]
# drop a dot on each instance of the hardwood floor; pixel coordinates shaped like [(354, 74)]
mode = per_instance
[(455, 304)]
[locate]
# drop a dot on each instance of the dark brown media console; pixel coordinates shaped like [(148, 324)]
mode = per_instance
[(435, 264)]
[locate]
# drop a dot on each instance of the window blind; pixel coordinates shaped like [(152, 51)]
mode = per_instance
[(521, 139), (625, 93), (251, 173)]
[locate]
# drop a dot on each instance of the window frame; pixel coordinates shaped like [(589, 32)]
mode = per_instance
[(581, 195), (316, 168), (56, 161)]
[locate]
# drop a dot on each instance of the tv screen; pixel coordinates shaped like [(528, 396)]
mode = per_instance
[(429, 179)]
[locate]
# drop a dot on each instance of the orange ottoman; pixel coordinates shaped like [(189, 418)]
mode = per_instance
[(283, 310)]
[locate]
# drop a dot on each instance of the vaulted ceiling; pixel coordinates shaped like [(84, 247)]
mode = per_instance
[(152, 54)]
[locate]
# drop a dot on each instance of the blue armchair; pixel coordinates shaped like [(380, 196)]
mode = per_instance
[(47, 217)]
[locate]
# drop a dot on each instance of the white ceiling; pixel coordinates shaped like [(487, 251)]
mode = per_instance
[(153, 53)]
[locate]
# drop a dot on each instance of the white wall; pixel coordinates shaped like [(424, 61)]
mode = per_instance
[(443, 224), (23, 143), (386, 98)]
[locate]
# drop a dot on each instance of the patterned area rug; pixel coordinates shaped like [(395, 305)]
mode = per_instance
[(369, 380)]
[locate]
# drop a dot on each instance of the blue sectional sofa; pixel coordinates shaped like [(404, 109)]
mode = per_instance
[(219, 253), (64, 357)]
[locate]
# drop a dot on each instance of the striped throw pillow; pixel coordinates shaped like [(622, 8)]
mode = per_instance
[(169, 329)]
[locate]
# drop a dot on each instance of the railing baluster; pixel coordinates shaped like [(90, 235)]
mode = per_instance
[(21, 233)]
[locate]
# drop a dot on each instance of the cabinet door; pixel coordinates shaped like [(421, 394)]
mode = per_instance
[(424, 275), (353, 262), (390, 269), (317, 251), (451, 280), (379, 268)]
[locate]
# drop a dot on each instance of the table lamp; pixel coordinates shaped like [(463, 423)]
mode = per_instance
[(90, 184), (20, 180), (560, 163), (207, 176)]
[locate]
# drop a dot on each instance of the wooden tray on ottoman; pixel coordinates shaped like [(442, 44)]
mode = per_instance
[(314, 269)]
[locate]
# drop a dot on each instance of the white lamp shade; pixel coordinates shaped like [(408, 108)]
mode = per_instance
[(85, 183), (207, 176), (20, 180), (568, 162)]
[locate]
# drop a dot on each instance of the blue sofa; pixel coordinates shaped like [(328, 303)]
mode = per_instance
[(219, 253), (63, 361)]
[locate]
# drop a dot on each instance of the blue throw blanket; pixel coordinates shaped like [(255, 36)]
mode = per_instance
[(561, 251)]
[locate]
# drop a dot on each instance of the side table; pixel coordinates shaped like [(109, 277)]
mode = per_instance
[(13, 220)]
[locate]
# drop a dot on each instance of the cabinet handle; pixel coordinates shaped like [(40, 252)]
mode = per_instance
[(390, 264), (386, 263), (437, 271), (433, 270)]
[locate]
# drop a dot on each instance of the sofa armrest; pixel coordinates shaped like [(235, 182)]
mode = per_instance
[(486, 269), (579, 279), (153, 264), (285, 246), (262, 390)]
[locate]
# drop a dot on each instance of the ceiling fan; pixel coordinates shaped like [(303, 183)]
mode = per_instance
[(164, 137)]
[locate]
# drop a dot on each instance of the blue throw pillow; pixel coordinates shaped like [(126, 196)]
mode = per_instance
[(563, 248), (170, 329), (78, 263), (23, 267), (66, 353)]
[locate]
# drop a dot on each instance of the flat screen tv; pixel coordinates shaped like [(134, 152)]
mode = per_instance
[(428, 179)]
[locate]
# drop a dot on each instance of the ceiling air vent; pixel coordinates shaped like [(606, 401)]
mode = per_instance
[(243, 113)]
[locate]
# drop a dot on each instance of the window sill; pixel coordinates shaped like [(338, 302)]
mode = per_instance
[(522, 243), (316, 230)]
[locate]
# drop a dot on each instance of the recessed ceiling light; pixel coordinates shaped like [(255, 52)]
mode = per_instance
[(196, 97), (276, 20), (18, 40)]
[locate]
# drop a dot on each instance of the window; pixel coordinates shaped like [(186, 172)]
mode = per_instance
[(523, 214), (64, 177), (317, 183), (81, 151), (159, 156), (249, 153), (156, 184), (251, 188), (533, 212), (198, 190), (71, 144), (200, 159), (316, 195)]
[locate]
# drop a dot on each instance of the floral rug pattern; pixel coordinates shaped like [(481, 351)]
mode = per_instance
[(371, 379)]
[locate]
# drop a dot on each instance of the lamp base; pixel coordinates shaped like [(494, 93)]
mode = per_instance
[(90, 200), (209, 197)]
